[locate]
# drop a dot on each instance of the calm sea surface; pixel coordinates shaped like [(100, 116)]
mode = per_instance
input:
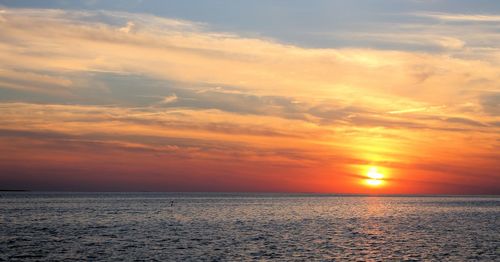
[(236, 227)]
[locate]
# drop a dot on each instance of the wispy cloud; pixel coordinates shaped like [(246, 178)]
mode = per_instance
[(169, 99), (460, 17)]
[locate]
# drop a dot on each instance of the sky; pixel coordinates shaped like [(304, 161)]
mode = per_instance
[(350, 97)]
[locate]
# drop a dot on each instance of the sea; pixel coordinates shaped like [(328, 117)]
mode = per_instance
[(56, 226)]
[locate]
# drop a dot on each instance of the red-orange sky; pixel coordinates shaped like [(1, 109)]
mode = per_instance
[(103, 100)]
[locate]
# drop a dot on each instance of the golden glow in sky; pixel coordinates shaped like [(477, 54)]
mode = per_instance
[(127, 100)]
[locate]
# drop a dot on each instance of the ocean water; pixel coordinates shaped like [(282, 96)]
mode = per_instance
[(242, 227)]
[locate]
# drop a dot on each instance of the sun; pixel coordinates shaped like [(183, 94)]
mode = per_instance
[(374, 178)]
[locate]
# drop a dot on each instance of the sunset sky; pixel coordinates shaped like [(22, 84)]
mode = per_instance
[(376, 97)]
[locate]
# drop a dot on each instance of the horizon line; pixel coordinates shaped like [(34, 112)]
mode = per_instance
[(250, 192)]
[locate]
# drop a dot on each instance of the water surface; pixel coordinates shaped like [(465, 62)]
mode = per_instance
[(228, 227)]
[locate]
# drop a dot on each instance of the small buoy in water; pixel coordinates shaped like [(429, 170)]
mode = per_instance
[(172, 203)]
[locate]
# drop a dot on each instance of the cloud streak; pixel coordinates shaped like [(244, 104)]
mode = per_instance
[(461, 17)]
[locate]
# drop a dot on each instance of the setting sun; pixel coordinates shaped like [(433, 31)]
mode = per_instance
[(374, 177)]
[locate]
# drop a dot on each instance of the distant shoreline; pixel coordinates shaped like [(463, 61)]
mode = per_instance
[(14, 190)]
